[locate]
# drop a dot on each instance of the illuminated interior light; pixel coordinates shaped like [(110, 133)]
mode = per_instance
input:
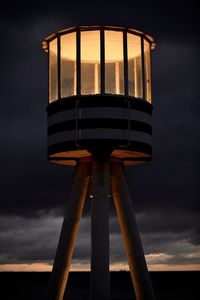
[(139, 75)]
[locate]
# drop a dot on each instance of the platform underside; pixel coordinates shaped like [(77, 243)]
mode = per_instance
[(71, 157)]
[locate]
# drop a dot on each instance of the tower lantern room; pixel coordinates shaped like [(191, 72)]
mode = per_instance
[(99, 119), (99, 94)]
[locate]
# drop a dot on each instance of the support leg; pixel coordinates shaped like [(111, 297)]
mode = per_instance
[(68, 234), (100, 187), (133, 246)]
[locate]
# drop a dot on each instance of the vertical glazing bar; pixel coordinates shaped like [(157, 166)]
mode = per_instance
[(136, 81), (150, 57), (58, 63), (126, 85), (125, 63), (48, 72), (117, 79), (96, 78), (143, 70), (78, 63), (75, 79), (78, 84), (102, 42)]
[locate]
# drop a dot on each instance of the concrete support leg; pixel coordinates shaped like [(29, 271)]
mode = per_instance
[(68, 234), (100, 187), (133, 246)]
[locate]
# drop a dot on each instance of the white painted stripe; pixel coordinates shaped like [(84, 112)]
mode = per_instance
[(100, 112), (99, 133)]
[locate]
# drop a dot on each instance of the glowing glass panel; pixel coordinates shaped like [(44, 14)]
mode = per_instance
[(114, 64), (90, 62), (53, 71), (68, 64), (134, 66), (147, 70)]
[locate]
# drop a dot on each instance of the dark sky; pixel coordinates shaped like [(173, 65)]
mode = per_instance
[(33, 192)]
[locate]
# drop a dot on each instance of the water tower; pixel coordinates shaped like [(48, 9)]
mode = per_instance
[(99, 120)]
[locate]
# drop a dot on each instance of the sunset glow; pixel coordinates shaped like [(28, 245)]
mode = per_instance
[(81, 267)]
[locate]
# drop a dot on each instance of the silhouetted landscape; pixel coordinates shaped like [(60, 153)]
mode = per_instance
[(33, 285)]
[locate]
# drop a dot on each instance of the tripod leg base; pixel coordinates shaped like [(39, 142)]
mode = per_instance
[(100, 277), (133, 246), (68, 234)]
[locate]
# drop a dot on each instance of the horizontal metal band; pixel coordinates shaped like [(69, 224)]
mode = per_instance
[(99, 123), (71, 146), (96, 134), (99, 113), (99, 101)]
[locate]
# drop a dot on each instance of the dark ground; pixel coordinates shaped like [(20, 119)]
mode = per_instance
[(32, 286)]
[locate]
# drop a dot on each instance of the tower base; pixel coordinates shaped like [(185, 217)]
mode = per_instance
[(102, 177)]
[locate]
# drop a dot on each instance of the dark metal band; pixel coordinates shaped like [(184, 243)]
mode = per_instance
[(99, 101), (99, 123)]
